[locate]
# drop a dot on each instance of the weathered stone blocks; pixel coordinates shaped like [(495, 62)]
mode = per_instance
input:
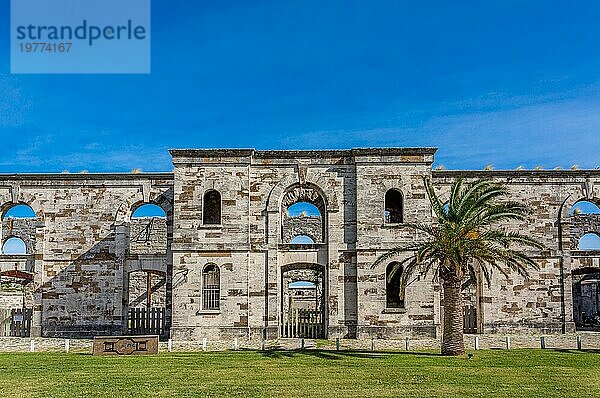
[(90, 262)]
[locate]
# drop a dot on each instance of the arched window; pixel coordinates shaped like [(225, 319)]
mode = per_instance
[(589, 241), (210, 287), (149, 210), (394, 292), (14, 246), (393, 207), (302, 239), (585, 207), (212, 207), (19, 211)]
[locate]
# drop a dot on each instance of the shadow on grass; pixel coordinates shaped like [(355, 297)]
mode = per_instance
[(337, 355), (574, 351)]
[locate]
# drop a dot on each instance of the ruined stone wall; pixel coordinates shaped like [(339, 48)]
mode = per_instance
[(23, 228), (544, 301), (196, 245), (581, 224), (10, 299), (246, 245), (311, 226), (81, 244), (148, 235), (89, 261), (353, 185), (138, 290), (252, 186), (375, 176)]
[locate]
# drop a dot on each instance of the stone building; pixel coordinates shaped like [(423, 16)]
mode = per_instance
[(231, 255)]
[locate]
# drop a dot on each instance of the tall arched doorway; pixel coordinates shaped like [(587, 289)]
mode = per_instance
[(303, 304), (145, 290)]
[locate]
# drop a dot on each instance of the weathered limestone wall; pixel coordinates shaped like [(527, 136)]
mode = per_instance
[(374, 177), (255, 230), (581, 224), (252, 186), (80, 237), (544, 301), (10, 299), (138, 290), (311, 226), (148, 235), (196, 245), (90, 261), (247, 241)]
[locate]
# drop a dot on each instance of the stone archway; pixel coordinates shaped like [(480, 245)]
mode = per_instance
[(303, 301), (312, 226)]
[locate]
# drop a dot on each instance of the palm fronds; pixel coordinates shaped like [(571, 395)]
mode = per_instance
[(470, 231)]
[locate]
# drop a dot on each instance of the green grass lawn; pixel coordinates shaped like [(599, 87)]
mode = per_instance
[(515, 373)]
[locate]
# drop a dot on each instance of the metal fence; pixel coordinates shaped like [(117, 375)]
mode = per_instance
[(16, 322), (142, 321), (305, 323)]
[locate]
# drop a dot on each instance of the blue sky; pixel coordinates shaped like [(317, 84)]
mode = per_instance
[(507, 83), (14, 246)]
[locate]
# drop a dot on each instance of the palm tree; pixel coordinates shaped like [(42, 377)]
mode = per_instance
[(465, 233)]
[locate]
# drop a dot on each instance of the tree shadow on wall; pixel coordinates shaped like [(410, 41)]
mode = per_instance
[(87, 296)]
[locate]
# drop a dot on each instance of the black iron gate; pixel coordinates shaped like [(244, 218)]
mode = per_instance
[(16, 322), (143, 321), (469, 320)]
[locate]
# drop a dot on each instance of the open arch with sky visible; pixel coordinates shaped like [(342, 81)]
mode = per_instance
[(585, 207), (589, 241), (19, 211), (148, 210), (14, 246), (303, 209)]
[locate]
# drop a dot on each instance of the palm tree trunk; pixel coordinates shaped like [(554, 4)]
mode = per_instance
[(452, 339)]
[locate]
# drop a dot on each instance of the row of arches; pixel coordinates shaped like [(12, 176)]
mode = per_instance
[(393, 209), (23, 211), (393, 214), (20, 211), (212, 213), (14, 245), (395, 292)]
